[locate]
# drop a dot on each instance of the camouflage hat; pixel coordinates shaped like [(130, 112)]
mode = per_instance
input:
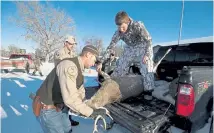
[(91, 49), (71, 39)]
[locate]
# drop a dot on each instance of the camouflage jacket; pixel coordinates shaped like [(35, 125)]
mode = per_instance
[(136, 34)]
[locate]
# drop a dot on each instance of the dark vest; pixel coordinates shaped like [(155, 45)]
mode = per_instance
[(50, 92)]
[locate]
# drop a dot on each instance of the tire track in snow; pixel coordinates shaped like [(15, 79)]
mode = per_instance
[(3, 114), (18, 83), (25, 107), (8, 94), (15, 111)]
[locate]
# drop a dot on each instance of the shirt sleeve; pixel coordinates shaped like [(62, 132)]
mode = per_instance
[(114, 40), (67, 73)]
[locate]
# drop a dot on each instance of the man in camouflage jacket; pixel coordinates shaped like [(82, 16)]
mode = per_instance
[(139, 47), (110, 64)]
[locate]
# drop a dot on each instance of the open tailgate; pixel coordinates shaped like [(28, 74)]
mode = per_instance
[(141, 116)]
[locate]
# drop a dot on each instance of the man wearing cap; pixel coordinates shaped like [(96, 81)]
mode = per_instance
[(63, 90), (110, 64), (67, 51)]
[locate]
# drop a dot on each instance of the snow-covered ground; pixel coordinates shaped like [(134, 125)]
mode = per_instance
[(16, 112), (4, 58)]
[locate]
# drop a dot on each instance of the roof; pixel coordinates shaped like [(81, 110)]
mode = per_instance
[(186, 41), (19, 54)]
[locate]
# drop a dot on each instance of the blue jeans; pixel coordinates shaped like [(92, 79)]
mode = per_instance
[(52, 121)]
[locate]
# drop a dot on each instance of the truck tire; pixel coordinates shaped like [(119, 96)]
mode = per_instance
[(210, 110), (210, 106), (6, 70), (211, 125)]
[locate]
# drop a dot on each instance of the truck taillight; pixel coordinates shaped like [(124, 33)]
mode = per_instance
[(185, 100)]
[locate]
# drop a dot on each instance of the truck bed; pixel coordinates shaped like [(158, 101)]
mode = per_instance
[(141, 116)]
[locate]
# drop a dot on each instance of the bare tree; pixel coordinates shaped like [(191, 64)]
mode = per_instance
[(39, 53), (13, 49), (44, 25), (95, 41), (32, 55), (79, 48), (4, 52)]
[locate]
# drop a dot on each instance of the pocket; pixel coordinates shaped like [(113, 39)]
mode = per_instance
[(37, 106), (51, 116), (50, 112)]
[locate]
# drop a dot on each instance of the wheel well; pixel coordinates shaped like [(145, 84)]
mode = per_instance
[(210, 105)]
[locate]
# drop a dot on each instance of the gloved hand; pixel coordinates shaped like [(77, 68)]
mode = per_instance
[(148, 92), (99, 67), (97, 112), (98, 61)]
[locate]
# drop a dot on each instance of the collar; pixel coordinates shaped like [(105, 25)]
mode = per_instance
[(130, 23), (81, 63), (66, 50)]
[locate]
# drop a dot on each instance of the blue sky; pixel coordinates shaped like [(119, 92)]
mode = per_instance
[(162, 19)]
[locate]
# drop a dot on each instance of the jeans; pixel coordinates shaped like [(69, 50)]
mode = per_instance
[(52, 121)]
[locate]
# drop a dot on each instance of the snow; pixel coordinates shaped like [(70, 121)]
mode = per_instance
[(3, 114), (161, 87), (19, 75), (20, 84), (16, 110), (25, 107), (38, 77), (8, 94), (4, 58), (206, 128), (46, 68), (9, 68), (186, 41), (20, 58)]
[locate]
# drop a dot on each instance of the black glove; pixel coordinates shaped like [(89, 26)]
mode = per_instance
[(148, 92), (98, 61), (97, 112)]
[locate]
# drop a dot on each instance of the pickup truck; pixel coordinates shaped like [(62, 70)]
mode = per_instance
[(17, 61), (188, 68)]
